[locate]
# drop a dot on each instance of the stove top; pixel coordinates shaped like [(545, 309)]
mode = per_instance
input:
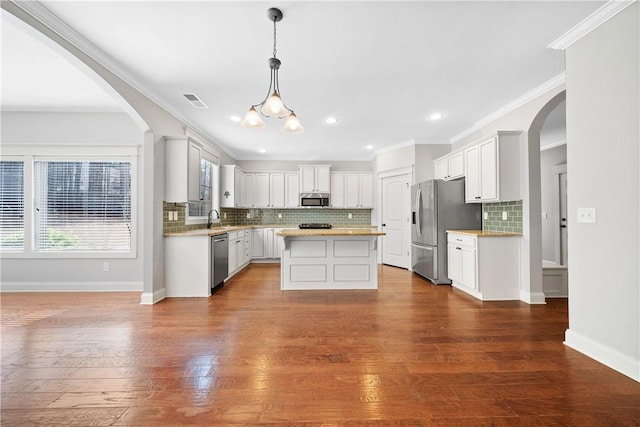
[(314, 226)]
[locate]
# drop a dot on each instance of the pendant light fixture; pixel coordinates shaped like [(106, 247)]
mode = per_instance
[(272, 105)]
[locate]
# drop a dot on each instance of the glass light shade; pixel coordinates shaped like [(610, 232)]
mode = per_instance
[(252, 120), (292, 124), (273, 106)]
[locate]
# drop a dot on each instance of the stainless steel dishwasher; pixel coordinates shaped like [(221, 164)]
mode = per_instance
[(220, 261)]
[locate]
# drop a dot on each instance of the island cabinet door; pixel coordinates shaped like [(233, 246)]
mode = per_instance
[(257, 243)]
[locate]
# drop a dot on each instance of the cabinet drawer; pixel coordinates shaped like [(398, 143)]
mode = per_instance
[(461, 239)]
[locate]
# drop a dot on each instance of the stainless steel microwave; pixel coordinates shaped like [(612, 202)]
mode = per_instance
[(314, 200)]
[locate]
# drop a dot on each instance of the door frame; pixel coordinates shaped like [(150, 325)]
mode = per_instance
[(558, 170), (407, 170)]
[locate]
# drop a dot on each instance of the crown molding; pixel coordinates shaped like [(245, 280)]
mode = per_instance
[(590, 23), (39, 12), (550, 84), (395, 147)]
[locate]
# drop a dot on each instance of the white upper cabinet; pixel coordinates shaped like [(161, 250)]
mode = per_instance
[(182, 176), (315, 178), (231, 184), (492, 169), (262, 190), (337, 190), (249, 190), (276, 190), (450, 166), (292, 189), (351, 190)]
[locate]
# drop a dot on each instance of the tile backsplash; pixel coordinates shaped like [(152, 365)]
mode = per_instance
[(231, 216), (494, 222)]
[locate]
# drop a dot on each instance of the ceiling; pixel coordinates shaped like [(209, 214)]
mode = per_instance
[(381, 68)]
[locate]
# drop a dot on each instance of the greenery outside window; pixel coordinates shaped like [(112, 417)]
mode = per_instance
[(82, 206)]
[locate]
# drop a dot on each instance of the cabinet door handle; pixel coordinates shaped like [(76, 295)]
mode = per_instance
[(459, 248)]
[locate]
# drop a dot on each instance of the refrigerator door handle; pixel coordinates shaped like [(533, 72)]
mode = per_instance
[(418, 213)]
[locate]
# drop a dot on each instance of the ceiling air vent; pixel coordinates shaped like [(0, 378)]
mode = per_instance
[(194, 100)]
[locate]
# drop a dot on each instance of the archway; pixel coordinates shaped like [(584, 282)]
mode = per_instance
[(531, 274)]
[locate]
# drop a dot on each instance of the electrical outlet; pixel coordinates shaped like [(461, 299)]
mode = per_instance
[(504, 215), (587, 215), (485, 215), (106, 266), (224, 215), (279, 216), (350, 215), (248, 215), (545, 215)]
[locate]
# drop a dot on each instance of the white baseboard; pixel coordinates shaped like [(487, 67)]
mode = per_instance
[(532, 297), (148, 298), (71, 287), (603, 354)]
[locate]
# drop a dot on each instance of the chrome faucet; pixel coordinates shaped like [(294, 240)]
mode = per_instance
[(210, 217)]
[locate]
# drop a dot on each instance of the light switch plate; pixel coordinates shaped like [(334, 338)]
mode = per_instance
[(586, 215), (544, 215), (485, 215)]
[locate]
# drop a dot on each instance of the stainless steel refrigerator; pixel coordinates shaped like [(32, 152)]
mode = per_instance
[(438, 206)]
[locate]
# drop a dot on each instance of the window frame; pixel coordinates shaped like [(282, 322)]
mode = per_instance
[(29, 154), (215, 193)]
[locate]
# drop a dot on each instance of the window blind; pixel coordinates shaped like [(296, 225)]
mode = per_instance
[(82, 206), (11, 205)]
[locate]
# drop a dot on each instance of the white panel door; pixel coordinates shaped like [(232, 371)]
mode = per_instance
[(257, 243), (366, 190), (276, 190), (456, 165), (307, 179), (337, 190), (323, 184), (395, 205), (292, 190), (489, 170), (352, 190), (262, 190), (472, 173), (441, 168)]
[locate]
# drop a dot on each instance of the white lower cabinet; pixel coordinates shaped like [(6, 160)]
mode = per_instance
[(272, 243), (239, 250), (486, 266)]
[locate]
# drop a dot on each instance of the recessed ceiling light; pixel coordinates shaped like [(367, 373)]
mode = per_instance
[(331, 120), (369, 147), (236, 119), (262, 151), (436, 116)]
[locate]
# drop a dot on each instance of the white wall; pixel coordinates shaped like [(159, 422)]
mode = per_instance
[(50, 129), (401, 157), (603, 155), (549, 159), (425, 154)]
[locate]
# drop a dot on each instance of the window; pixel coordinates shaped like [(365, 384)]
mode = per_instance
[(197, 212), (11, 205), (82, 206)]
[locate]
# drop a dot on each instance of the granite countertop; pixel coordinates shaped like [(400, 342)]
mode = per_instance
[(226, 229), (481, 233), (294, 232)]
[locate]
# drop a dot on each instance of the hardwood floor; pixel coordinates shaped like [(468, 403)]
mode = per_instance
[(409, 354)]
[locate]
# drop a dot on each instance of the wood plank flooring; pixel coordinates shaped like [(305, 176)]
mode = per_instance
[(409, 354)]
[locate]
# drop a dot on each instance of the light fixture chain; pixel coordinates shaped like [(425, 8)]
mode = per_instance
[(274, 38)]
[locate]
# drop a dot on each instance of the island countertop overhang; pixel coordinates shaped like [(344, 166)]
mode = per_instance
[(294, 232)]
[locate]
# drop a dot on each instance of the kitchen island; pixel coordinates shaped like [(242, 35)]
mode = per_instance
[(329, 259)]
